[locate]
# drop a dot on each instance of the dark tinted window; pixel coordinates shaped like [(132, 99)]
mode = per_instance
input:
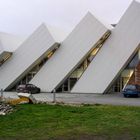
[(130, 87), (29, 85), (21, 86), (138, 87)]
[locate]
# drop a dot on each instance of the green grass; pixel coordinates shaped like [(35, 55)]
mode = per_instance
[(42, 122)]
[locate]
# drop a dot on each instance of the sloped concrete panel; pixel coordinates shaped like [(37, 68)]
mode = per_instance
[(25, 57), (72, 51), (1, 50), (10, 42), (114, 55)]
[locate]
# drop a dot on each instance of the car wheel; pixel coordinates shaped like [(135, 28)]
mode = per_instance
[(137, 95), (39, 91), (30, 92), (125, 95)]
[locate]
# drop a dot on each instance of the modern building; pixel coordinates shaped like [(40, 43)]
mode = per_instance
[(114, 56), (28, 58), (93, 58), (8, 44), (87, 36)]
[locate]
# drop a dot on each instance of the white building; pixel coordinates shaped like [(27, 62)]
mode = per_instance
[(8, 44), (91, 59), (86, 36), (115, 54), (30, 53)]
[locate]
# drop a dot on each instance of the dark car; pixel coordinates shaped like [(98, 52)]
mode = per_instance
[(28, 88), (131, 91)]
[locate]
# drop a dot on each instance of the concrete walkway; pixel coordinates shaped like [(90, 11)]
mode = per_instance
[(112, 99)]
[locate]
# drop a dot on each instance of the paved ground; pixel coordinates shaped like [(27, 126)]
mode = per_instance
[(113, 99)]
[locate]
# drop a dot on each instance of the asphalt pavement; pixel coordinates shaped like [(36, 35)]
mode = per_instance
[(69, 98)]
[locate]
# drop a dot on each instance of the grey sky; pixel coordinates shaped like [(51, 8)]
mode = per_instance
[(23, 16)]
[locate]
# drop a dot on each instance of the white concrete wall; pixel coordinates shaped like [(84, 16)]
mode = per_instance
[(73, 49), (25, 57), (10, 42), (114, 55), (58, 34), (1, 49)]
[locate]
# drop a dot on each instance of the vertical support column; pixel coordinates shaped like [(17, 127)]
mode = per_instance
[(69, 85), (54, 96), (1, 91)]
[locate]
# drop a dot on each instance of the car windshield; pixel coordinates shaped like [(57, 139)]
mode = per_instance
[(130, 87), (21, 86), (30, 85)]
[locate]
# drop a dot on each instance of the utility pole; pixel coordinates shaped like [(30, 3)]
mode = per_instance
[(54, 95), (1, 91)]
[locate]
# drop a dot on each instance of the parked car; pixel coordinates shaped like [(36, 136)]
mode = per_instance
[(28, 88), (131, 91)]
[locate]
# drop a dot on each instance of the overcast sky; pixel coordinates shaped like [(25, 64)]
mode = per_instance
[(23, 16)]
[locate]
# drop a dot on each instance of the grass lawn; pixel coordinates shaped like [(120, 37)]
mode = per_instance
[(46, 122)]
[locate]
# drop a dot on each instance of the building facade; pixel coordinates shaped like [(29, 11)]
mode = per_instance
[(93, 58)]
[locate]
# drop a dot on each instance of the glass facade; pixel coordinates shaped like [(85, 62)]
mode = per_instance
[(4, 57), (126, 75), (29, 76), (77, 73)]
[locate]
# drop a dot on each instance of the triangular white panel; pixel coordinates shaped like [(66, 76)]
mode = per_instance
[(114, 55), (26, 56), (10, 42), (72, 51)]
